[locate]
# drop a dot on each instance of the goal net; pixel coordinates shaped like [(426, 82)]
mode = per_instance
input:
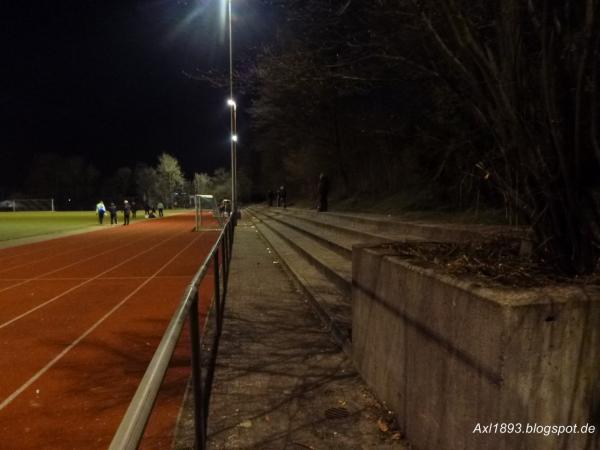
[(27, 204), (208, 215)]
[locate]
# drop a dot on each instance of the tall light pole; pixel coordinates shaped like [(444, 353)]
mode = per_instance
[(233, 118)]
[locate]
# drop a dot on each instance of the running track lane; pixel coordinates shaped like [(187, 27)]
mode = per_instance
[(71, 365), (31, 252)]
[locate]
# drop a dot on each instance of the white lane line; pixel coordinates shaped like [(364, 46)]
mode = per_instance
[(53, 299), (37, 260), (44, 369), (51, 245), (4, 259), (45, 274), (85, 278), (59, 241), (54, 242)]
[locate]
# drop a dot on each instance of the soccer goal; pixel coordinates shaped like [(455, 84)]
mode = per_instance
[(27, 204), (208, 214)]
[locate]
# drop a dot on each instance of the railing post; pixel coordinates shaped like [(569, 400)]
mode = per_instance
[(199, 417), (218, 291), (210, 372), (225, 260), (197, 212), (225, 246), (231, 233)]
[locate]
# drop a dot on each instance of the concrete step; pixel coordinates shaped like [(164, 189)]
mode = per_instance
[(337, 268), (332, 305), (338, 238), (351, 233), (392, 228), (335, 240), (317, 249)]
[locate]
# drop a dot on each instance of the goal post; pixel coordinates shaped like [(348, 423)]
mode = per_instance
[(207, 211), (27, 204)]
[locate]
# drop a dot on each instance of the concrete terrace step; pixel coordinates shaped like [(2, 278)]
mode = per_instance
[(317, 249), (336, 268), (331, 304), (392, 228), (352, 232), (335, 240), (328, 228)]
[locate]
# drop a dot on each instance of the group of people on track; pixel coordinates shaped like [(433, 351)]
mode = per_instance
[(150, 210), (129, 210)]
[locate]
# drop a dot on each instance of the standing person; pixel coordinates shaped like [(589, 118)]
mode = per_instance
[(270, 197), (100, 210), (227, 206), (126, 212), (160, 207), (323, 192), (112, 209), (146, 209), (283, 196), (133, 209)]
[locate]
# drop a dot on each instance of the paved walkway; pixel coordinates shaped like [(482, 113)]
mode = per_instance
[(281, 382)]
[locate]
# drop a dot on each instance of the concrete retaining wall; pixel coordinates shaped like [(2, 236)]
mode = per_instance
[(447, 355)]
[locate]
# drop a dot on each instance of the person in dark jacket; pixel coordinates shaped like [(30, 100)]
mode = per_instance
[(126, 212), (282, 197), (270, 197), (323, 193), (112, 209)]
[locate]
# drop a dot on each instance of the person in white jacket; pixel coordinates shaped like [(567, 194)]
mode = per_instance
[(100, 210)]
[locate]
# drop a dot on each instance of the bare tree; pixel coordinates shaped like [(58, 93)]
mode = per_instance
[(505, 92), (528, 71), (202, 183), (169, 177)]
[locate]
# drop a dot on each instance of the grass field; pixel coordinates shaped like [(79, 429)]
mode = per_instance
[(15, 225)]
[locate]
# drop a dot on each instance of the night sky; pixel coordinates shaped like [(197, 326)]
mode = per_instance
[(107, 80)]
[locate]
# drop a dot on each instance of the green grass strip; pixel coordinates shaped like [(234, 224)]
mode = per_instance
[(16, 225)]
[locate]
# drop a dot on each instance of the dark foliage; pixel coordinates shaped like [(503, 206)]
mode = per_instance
[(453, 100), (528, 72)]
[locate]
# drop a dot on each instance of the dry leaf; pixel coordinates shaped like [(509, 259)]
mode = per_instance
[(246, 424), (383, 426)]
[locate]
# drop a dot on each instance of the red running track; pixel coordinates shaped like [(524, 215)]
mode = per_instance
[(80, 318)]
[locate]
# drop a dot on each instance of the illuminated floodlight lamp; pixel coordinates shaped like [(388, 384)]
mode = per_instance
[(231, 102), (234, 137)]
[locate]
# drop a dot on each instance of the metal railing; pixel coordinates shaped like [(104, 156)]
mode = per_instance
[(132, 427)]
